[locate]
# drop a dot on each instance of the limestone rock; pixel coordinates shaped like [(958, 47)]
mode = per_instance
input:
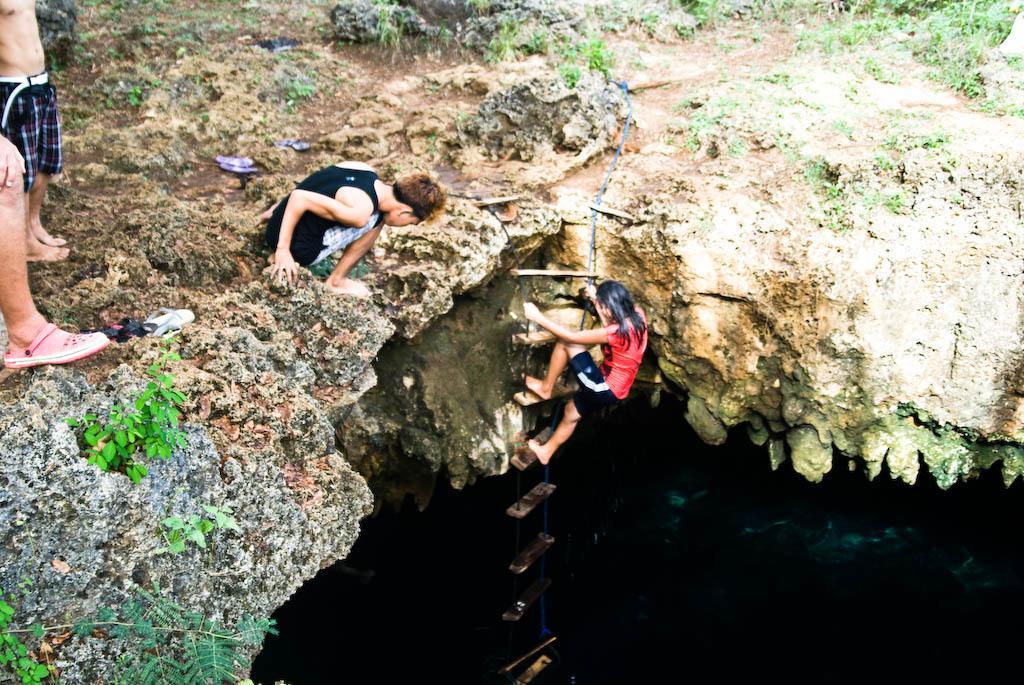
[(541, 116), (56, 507), (57, 20), (812, 459), (359, 21)]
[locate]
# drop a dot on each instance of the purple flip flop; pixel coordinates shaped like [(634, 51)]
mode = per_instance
[(297, 145), (236, 165)]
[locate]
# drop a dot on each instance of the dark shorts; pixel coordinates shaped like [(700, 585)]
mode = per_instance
[(33, 125), (306, 245), (593, 393)]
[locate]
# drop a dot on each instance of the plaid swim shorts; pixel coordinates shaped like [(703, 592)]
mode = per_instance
[(33, 125)]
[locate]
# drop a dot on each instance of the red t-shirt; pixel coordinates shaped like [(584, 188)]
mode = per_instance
[(622, 357)]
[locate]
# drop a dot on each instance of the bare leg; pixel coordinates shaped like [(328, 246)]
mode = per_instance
[(35, 206), (20, 315), (565, 429), (560, 357)]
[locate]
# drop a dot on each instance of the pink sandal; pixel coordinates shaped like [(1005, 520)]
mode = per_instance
[(54, 346)]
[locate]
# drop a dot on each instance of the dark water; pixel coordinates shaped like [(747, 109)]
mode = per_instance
[(675, 562)]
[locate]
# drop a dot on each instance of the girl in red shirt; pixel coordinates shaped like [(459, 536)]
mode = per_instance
[(623, 340)]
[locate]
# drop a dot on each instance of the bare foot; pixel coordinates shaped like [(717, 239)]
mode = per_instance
[(536, 386), (37, 252), (346, 286), (542, 451), (44, 237)]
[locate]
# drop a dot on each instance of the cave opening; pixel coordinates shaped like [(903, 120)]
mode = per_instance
[(673, 560)]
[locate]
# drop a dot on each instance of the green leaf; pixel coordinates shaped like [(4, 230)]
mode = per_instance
[(41, 671), (196, 536), (74, 423), (6, 608), (90, 417), (109, 451), (173, 523), (177, 547), (37, 629), (205, 526), (134, 475)]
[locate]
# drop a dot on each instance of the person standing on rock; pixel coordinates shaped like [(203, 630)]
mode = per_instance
[(343, 207), (29, 119), (623, 340), (32, 341)]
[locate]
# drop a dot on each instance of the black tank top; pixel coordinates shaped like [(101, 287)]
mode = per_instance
[(327, 181)]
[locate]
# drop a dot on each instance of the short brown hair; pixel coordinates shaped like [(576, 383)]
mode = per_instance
[(421, 192)]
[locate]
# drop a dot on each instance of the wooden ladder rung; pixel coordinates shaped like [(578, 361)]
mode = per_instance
[(554, 273), (512, 665), (526, 600), (505, 199), (531, 553), (611, 211), (524, 459), (527, 676), (529, 501)]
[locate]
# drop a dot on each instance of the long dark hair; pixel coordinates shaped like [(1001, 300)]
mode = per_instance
[(614, 296)]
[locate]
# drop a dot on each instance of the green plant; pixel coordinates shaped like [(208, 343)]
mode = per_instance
[(899, 140), (298, 90), (135, 96), (194, 528), (163, 644), (707, 12), (571, 74), (895, 202), (14, 654), (390, 23), (825, 181), (844, 128), (875, 70), (598, 56), (538, 43), (737, 147), (884, 162), (146, 429), (479, 6), (502, 46)]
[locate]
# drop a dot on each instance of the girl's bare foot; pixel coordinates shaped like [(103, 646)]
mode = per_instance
[(542, 451), (536, 386)]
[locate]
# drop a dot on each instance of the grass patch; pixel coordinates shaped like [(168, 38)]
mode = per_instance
[(950, 37)]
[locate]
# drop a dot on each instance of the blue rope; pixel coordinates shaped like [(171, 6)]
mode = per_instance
[(544, 630)]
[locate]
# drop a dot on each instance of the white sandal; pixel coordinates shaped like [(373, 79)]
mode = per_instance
[(167, 321)]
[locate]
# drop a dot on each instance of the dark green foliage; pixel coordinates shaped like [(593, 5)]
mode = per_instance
[(146, 429), (14, 654), (165, 645)]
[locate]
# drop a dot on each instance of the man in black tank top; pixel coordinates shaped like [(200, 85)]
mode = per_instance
[(343, 207)]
